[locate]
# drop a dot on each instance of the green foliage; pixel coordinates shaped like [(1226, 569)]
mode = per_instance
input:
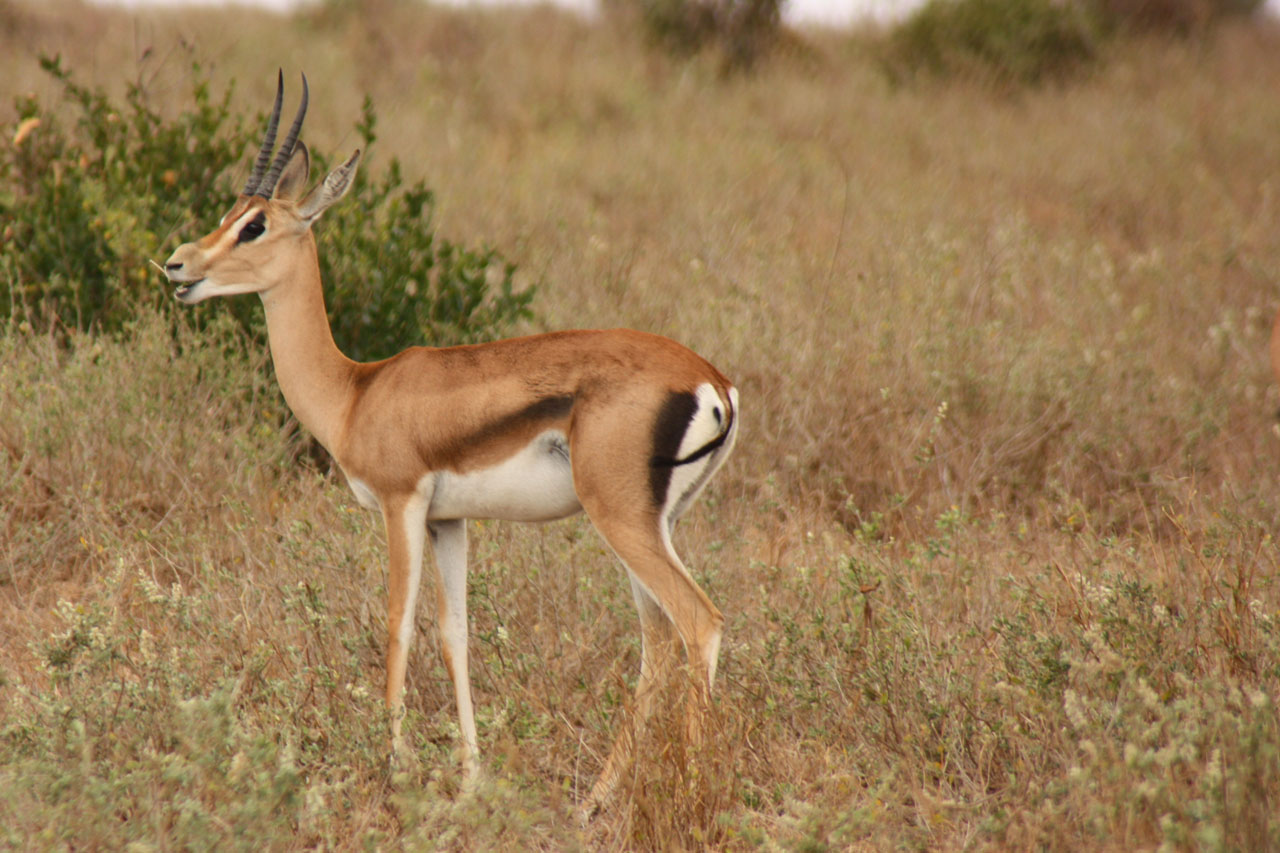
[(391, 282), (1183, 17), (1029, 41), (139, 740), (82, 209), (1010, 41), (744, 30), (1196, 763)]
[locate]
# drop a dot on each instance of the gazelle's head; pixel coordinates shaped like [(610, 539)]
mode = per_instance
[(266, 235)]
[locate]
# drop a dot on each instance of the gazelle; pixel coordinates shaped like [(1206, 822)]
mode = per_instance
[(623, 425)]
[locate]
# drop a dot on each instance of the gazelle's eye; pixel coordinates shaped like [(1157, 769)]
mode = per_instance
[(253, 229)]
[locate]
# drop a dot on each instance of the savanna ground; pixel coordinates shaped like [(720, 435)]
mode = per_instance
[(996, 548)]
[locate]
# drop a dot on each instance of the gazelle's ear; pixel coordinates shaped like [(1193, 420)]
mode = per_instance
[(294, 177), (334, 187)]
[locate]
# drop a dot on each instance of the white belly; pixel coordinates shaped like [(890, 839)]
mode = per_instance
[(535, 484)]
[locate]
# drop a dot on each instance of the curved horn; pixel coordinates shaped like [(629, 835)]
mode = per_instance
[(286, 148), (269, 142)]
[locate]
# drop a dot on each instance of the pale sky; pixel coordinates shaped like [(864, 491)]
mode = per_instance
[(825, 12), (828, 12)]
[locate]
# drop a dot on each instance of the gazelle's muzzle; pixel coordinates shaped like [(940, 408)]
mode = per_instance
[(180, 274)]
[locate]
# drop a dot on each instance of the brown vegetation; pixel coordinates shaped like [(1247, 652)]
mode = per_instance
[(996, 547)]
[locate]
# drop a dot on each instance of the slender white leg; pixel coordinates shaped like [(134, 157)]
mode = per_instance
[(450, 542), (406, 535)]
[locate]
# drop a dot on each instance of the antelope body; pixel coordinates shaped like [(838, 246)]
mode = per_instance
[(623, 425)]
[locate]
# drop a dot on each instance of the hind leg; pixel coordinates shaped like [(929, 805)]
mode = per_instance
[(634, 478), (659, 646), (673, 609), (668, 590), (449, 541)]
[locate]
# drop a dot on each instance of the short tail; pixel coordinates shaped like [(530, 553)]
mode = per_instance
[(710, 447)]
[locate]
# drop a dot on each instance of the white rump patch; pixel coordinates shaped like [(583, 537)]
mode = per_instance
[(708, 422)]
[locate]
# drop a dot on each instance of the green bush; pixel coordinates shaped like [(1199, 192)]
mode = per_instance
[(743, 30), (390, 282), (1007, 41), (1183, 17), (83, 209), (1029, 41)]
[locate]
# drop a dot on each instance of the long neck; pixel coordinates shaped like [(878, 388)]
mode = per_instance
[(314, 376)]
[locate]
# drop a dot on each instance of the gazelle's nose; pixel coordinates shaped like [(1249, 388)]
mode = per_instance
[(171, 266)]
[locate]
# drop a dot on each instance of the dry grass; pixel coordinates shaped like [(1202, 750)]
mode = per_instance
[(996, 548)]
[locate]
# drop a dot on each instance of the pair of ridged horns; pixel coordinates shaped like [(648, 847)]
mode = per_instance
[(265, 186)]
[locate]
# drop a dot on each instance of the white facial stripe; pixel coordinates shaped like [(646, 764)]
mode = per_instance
[(223, 220), (245, 218), (232, 236)]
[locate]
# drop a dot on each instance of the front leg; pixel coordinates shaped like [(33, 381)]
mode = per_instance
[(405, 520), (449, 540)]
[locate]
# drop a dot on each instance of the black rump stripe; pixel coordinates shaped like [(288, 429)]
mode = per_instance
[(673, 422)]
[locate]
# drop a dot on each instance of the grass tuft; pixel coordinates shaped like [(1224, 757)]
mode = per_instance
[(996, 549)]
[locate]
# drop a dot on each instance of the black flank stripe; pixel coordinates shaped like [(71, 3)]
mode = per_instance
[(546, 409), (672, 423)]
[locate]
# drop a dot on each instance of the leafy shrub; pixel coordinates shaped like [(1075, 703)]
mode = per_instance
[(1012, 41), (1028, 41), (744, 30), (82, 209), (1175, 16), (390, 282)]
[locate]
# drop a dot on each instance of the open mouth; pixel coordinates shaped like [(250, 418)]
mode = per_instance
[(186, 287)]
